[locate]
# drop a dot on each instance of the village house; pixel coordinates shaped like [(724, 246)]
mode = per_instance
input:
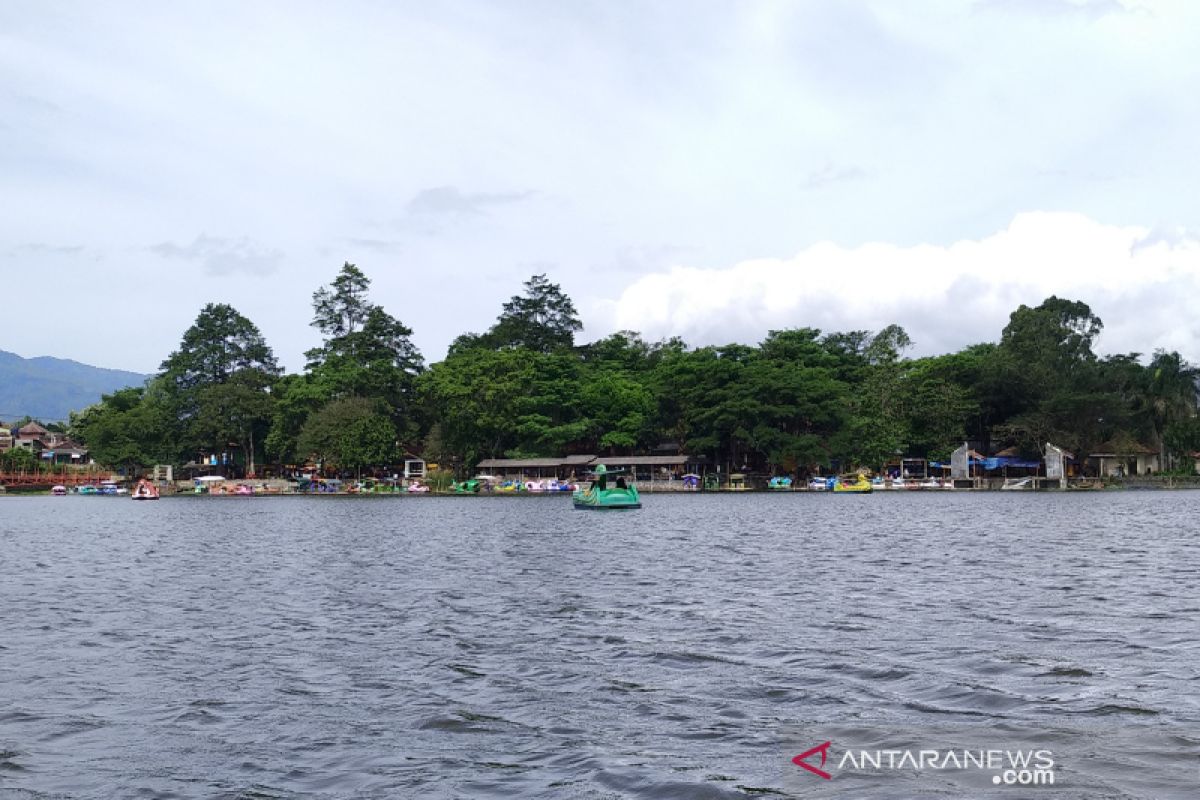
[(64, 451), (31, 436), (1119, 460), (50, 446)]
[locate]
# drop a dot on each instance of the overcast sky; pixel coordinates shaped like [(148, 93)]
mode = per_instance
[(704, 169)]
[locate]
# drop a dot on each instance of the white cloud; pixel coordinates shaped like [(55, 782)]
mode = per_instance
[(1145, 284), (221, 256), (445, 147)]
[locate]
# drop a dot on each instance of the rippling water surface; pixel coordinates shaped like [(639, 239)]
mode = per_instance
[(512, 647)]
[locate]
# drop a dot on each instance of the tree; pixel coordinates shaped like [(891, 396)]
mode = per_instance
[(18, 459), (218, 383), (238, 410), (220, 343), (801, 400), (877, 427), (887, 345), (367, 352), (1183, 436), (937, 409), (702, 403), (1046, 376), (616, 409), (341, 308), (477, 396), (1171, 394), (625, 350), (1054, 339), (543, 319), (128, 428), (349, 433), (297, 397)]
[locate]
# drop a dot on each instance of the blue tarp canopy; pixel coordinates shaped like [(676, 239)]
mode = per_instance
[(996, 462)]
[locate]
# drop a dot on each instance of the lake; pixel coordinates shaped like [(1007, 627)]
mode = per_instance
[(499, 647)]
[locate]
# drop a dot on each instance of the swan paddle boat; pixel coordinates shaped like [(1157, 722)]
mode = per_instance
[(603, 496), (144, 491)]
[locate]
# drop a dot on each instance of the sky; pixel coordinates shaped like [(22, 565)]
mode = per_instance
[(711, 170)]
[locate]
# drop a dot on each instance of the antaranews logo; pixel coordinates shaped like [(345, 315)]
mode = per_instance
[(801, 760), (1017, 767)]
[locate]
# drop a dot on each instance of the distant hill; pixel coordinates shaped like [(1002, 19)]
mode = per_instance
[(51, 388)]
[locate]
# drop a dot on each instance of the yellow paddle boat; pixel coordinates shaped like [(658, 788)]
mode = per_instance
[(858, 485)]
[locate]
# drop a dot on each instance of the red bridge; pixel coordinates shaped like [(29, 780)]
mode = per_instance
[(37, 479)]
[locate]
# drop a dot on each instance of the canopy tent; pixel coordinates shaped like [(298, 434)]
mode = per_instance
[(995, 462)]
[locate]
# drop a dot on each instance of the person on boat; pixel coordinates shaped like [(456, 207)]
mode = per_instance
[(621, 483)]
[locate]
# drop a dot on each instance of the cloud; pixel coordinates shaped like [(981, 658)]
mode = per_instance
[(374, 245), (442, 201), (1143, 283), (1088, 9), (44, 247), (439, 209), (829, 173), (28, 102), (1173, 237), (220, 256)]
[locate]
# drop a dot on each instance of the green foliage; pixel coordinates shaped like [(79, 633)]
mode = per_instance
[(543, 319), (349, 433), (218, 385), (1183, 438), (477, 397), (616, 408), (367, 353), (799, 401), (937, 408), (341, 308), (220, 343), (296, 398), (128, 428), (18, 459)]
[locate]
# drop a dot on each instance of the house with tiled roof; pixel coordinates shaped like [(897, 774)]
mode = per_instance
[(64, 451), (31, 436), (1118, 459)]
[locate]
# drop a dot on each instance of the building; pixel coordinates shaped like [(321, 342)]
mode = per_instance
[(31, 436), (645, 468), (1124, 459), (64, 451), (534, 467), (6, 438)]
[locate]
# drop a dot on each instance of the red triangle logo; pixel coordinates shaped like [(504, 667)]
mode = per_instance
[(823, 749)]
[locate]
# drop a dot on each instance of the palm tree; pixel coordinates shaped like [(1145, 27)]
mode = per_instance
[(1171, 391)]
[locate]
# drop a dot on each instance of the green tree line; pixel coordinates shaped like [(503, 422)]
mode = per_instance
[(801, 400)]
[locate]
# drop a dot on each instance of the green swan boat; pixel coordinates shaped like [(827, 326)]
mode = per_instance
[(600, 496)]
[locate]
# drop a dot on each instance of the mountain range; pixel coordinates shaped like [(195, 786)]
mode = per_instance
[(49, 389)]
